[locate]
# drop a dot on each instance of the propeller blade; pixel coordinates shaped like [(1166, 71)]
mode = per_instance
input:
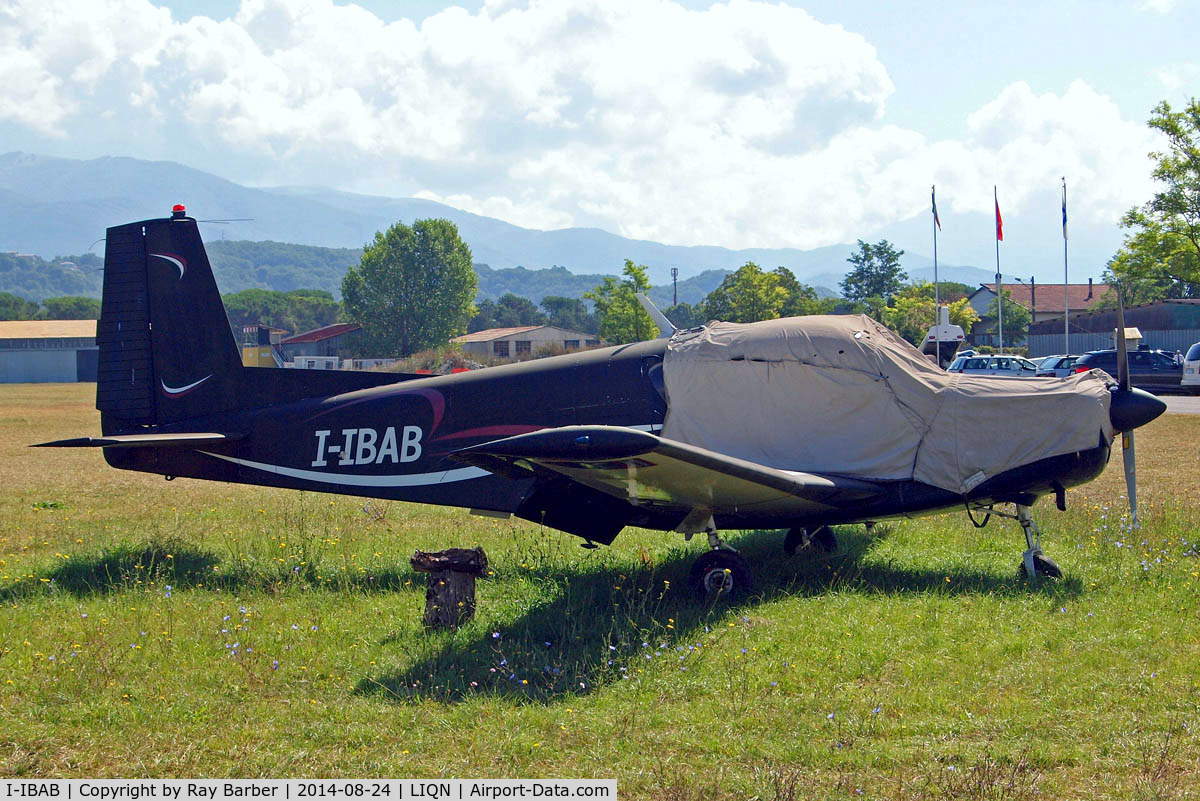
[(1127, 453), (1122, 348)]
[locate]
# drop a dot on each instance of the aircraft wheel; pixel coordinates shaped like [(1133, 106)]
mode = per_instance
[(1044, 566), (795, 539), (721, 574), (825, 539)]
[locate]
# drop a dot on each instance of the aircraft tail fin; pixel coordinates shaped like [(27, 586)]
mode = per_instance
[(167, 351)]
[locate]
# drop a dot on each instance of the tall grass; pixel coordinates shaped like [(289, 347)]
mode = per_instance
[(200, 629)]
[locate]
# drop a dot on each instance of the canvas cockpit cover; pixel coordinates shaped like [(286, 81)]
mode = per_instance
[(843, 394)]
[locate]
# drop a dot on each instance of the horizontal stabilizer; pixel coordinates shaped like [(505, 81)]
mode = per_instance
[(190, 440), (645, 469)]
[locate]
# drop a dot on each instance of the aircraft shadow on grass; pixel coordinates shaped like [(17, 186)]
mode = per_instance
[(601, 619), (183, 566)]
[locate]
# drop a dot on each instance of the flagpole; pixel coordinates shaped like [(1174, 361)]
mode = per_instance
[(1066, 296), (937, 301), (999, 284)]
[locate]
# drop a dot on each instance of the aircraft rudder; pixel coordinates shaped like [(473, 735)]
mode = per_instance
[(167, 351)]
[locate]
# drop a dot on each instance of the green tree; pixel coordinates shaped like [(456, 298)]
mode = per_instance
[(802, 299), (685, 315), (514, 310), (912, 313), (746, 296), (1160, 257), (510, 311), (15, 308), (1016, 317), (70, 307), (413, 288), (296, 311), (621, 318), (569, 313), (876, 273)]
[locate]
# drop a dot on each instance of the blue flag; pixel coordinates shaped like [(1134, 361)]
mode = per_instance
[(1064, 207)]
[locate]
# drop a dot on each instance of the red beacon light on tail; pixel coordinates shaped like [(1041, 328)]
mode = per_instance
[(178, 211)]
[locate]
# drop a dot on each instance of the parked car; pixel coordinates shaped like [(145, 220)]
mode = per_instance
[(1058, 366), (1191, 370), (1148, 369), (1011, 366)]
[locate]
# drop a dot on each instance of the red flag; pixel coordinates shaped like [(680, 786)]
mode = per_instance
[(999, 224)]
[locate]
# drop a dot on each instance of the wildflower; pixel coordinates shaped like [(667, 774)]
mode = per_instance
[(274, 664), (495, 635), (876, 710), (829, 716)]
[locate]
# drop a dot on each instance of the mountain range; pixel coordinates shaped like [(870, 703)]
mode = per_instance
[(54, 206)]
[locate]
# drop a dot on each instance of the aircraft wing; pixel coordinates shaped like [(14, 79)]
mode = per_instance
[(185, 440), (647, 470)]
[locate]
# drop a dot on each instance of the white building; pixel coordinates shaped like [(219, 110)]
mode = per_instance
[(523, 342)]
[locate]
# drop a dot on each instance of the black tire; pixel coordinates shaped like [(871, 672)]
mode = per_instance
[(721, 574), (825, 539), (795, 539), (1044, 566)]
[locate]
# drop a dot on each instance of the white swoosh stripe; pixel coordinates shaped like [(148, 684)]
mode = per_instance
[(171, 259), (410, 480), (181, 390)]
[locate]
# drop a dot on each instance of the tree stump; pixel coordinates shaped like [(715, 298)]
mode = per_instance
[(450, 594)]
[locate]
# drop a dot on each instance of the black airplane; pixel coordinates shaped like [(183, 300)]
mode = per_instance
[(793, 424)]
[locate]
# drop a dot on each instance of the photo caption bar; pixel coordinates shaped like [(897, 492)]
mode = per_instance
[(303, 789)]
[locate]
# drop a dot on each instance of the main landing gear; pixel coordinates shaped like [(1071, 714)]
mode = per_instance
[(799, 537), (721, 573)]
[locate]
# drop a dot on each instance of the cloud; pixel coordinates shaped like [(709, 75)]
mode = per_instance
[(1157, 6), (747, 123), (1179, 76)]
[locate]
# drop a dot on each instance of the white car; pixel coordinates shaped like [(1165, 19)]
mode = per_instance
[(1011, 366), (1191, 370), (1056, 365)]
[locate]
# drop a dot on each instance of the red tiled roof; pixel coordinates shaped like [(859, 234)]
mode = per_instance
[(488, 334), (323, 333), (1050, 296)]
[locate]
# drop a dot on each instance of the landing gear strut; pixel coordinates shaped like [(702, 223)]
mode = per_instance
[(1035, 562), (799, 537)]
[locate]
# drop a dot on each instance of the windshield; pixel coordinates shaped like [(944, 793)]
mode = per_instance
[(1193, 353)]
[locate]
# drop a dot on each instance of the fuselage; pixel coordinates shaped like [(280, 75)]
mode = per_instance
[(394, 441)]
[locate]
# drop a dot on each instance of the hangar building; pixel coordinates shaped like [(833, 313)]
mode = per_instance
[(41, 351)]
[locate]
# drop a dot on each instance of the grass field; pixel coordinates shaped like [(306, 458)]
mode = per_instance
[(190, 629)]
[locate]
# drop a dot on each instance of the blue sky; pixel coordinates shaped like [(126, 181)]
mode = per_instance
[(738, 124)]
